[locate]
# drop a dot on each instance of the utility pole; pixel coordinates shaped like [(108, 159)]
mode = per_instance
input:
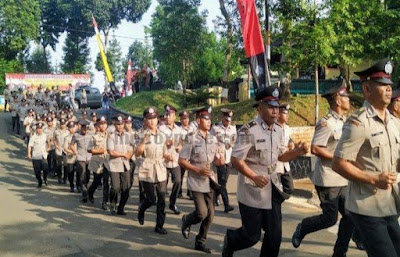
[(316, 72)]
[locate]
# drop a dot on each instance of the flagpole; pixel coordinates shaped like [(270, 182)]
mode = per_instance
[(267, 44)]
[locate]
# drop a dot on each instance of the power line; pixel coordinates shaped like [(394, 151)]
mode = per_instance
[(88, 32)]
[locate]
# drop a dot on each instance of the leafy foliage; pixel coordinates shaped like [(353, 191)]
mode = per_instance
[(37, 61)]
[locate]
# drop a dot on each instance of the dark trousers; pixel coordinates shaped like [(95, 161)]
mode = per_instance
[(150, 199), (97, 181), (381, 235), (204, 213), (223, 175), (119, 183), (52, 161), (183, 171), (132, 172), (27, 137), (38, 167), (15, 123), (332, 202), (253, 220), (5, 105), (60, 167), (83, 176), (176, 180), (71, 167)]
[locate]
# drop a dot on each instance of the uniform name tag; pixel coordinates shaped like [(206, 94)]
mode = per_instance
[(260, 140), (377, 133), (198, 146)]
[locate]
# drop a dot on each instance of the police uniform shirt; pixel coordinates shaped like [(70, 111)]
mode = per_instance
[(82, 143), (152, 167), (22, 109), (39, 146), (327, 134), (39, 95), (111, 129), (59, 137), (92, 129), (283, 167), (99, 141), (132, 139), (199, 152), (374, 146), (13, 108), (50, 134), (259, 146), (27, 123), (38, 109), (176, 134), (69, 158), (225, 136), (120, 143)]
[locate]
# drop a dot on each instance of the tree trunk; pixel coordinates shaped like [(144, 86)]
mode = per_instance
[(229, 46), (316, 94), (345, 72)]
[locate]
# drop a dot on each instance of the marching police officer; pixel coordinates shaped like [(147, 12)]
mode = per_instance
[(331, 187), (259, 147), (98, 149), (70, 157), (59, 136), (367, 155), (151, 146), (174, 135), (38, 148), (79, 145), (197, 155), (120, 151), (184, 119), (226, 135)]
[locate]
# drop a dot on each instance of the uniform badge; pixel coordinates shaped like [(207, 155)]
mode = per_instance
[(151, 110), (389, 68), (275, 93)]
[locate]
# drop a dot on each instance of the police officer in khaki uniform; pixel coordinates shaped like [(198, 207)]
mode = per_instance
[(29, 119), (120, 150), (367, 155), (38, 148), (226, 135), (98, 149), (255, 155), (79, 145), (174, 135), (184, 119), (51, 158), (132, 135), (330, 186), (197, 155), (151, 146), (59, 136)]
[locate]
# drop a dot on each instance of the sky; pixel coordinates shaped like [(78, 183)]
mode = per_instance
[(135, 31)]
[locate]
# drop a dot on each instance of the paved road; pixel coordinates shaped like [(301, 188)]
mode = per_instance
[(52, 222)]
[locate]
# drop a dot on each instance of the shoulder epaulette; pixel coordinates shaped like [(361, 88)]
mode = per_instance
[(252, 124), (327, 116), (357, 113)]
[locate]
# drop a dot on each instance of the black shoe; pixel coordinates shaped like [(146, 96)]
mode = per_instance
[(185, 228), (174, 209), (180, 196), (217, 203), (91, 199), (228, 208), (190, 195), (226, 252), (140, 217), (45, 181), (202, 247), (104, 206), (79, 190), (71, 190), (39, 185), (84, 200), (297, 236), (121, 212), (161, 231), (60, 181)]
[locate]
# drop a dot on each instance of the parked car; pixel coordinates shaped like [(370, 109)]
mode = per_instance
[(93, 97)]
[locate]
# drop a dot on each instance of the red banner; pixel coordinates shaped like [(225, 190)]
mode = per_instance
[(252, 38)]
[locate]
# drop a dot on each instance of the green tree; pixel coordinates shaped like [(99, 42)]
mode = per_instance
[(19, 23), (76, 57), (176, 30), (36, 61), (114, 58), (140, 53)]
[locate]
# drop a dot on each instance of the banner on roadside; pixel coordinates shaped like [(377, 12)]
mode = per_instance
[(17, 80)]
